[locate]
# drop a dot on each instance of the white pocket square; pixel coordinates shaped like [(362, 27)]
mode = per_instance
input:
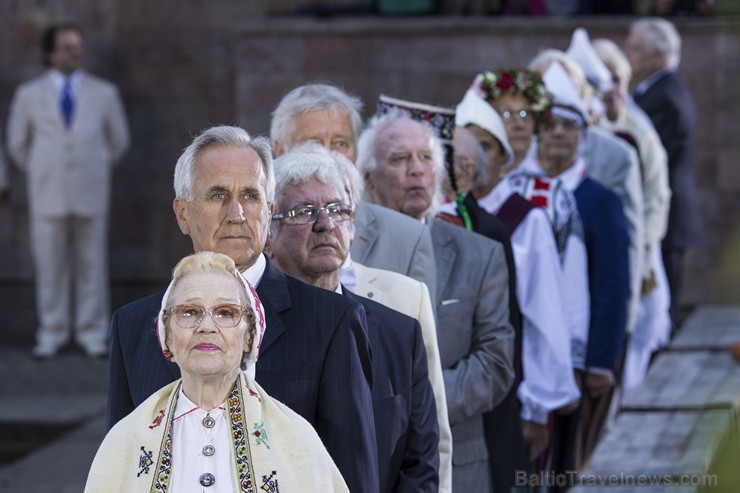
[(449, 302)]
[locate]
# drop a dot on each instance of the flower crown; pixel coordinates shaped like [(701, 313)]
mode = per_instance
[(528, 83)]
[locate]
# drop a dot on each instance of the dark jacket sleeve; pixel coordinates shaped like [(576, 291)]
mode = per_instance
[(120, 403), (607, 243), (344, 415), (420, 468)]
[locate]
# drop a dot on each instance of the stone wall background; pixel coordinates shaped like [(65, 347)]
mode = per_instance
[(182, 65)]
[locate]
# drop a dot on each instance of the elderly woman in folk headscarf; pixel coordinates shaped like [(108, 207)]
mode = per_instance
[(215, 429)]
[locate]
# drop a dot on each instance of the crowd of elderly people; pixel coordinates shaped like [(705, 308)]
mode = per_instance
[(441, 299)]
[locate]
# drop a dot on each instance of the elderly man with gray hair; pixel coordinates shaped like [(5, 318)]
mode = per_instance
[(654, 51), (385, 239), (310, 239), (315, 355), (402, 164)]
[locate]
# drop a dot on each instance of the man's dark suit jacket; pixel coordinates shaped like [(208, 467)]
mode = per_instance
[(315, 358), (669, 105), (607, 245), (403, 402)]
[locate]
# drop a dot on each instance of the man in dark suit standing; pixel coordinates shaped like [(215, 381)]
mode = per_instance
[(315, 354), (654, 51), (310, 239)]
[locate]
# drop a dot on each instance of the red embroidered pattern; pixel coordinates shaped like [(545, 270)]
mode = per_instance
[(158, 420)]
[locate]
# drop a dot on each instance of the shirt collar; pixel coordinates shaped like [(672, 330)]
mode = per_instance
[(254, 273), (573, 176), (494, 199), (347, 275), (186, 407), (59, 79), (651, 79)]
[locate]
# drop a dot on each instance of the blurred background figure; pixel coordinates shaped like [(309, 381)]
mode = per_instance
[(66, 130), (622, 116), (654, 51), (4, 185)]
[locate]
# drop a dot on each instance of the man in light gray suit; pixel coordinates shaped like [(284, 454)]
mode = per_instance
[(66, 129), (402, 164), (384, 238)]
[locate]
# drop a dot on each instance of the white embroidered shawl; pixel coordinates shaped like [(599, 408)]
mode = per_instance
[(273, 448)]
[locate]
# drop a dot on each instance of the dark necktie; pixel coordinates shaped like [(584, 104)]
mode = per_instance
[(67, 103)]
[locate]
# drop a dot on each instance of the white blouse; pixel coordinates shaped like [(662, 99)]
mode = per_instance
[(201, 447)]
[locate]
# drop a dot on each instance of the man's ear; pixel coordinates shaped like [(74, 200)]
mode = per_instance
[(279, 150), (369, 185), (180, 207), (267, 250)]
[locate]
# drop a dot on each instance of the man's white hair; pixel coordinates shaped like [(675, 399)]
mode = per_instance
[(662, 37), (367, 152)]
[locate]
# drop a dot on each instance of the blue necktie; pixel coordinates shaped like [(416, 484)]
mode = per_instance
[(67, 103)]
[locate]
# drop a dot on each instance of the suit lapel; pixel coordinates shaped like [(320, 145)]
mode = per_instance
[(366, 228), (50, 100), (444, 256), (365, 280), (82, 101), (275, 296)]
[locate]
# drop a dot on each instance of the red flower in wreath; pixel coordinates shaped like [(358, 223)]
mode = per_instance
[(505, 82)]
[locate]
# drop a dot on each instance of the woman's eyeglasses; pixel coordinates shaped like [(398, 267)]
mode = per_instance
[(190, 316), (521, 115)]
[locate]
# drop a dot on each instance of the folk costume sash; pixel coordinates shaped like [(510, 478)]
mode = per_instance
[(272, 448)]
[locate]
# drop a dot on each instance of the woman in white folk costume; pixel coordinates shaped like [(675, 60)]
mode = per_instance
[(548, 382), (215, 429)]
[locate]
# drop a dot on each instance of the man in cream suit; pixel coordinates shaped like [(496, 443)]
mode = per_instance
[(66, 129), (400, 161), (384, 238)]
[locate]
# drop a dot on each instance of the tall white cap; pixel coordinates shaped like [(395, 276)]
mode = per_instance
[(474, 110), (564, 91), (581, 51)]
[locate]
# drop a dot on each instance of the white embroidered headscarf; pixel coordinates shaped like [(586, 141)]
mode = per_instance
[(250, 359)]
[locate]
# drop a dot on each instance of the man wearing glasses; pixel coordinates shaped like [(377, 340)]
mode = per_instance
[(607, 246), (310, 239)]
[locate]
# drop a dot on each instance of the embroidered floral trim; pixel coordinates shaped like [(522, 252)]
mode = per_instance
[(240, 442), (145, 461), (260, 434), (158, 420), (163, 472), (244, 467), (269, 484)]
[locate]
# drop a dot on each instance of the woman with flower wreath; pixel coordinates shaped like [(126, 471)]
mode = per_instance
[(215, 429)]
